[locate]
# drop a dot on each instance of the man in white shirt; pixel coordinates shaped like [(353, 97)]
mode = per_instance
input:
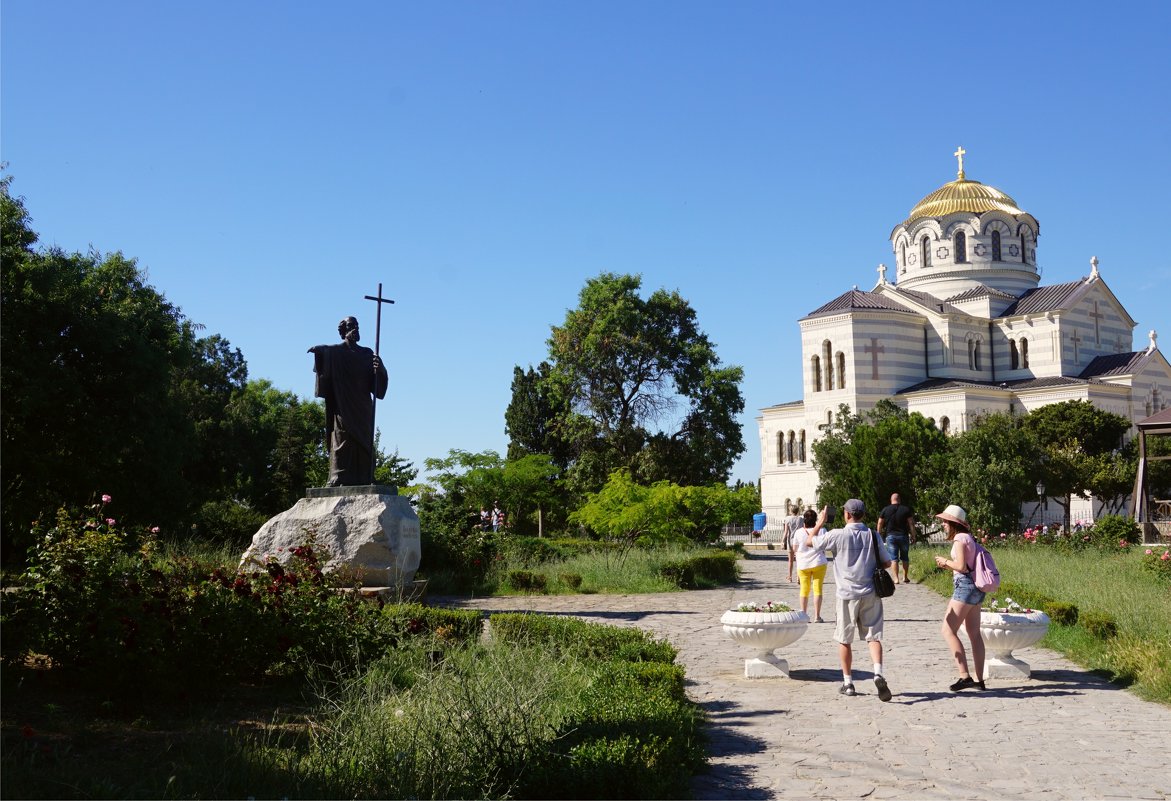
[(859, 608), (792, 524)]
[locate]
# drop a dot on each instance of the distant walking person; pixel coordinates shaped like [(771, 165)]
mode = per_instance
[(859, 607), (898, 521), (792, 524), (811, 564), (964, 606), (497, 516)]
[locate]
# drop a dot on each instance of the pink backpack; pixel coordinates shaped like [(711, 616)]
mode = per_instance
[(984, 573)]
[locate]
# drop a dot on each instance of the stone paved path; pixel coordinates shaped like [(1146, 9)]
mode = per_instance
[(1063, 734)]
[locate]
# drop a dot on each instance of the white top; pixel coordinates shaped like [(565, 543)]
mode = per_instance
[(807, 557), (854, 559)]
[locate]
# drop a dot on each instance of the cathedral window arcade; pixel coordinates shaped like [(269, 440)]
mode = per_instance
[(841, 359), (1024, 352), (815, 372), (827, 354), (945, 425), (996, 246), (925, 250), (1013, 357), (974, 353)]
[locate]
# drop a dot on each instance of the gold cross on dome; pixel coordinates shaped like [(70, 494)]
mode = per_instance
[(959, 154)]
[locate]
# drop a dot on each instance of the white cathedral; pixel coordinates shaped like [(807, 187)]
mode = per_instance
[(964, 329)]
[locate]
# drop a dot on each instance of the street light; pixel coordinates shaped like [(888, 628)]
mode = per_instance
[(1040, 496)]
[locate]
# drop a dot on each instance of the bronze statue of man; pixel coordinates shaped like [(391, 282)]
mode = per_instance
[(348, 378)]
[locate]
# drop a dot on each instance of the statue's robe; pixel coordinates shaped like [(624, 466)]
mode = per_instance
[(346, 379)]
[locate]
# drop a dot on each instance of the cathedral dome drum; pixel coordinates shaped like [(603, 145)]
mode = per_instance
[(966, 235)]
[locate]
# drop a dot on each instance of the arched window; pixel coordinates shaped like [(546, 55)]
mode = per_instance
[(925, 250), (801, 446), (945, 425), (829, 419), (903, 254), (815, 372), (792, 445), (780, 447), (1014, 357), (973, 354), (827, 355), (1024, 251), (841, 370), (1024, 352), (995, 246), (961, 246)]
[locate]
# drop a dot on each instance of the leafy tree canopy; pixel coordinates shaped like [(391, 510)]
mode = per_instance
[(631, 384)]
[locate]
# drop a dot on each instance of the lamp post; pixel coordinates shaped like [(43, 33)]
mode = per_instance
[(1040, 498)]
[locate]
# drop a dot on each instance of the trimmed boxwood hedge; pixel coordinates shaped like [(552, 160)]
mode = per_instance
[(581, 638), (710, 568), (415, 620)]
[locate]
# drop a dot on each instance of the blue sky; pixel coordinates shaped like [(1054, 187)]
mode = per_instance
[(268, 164)]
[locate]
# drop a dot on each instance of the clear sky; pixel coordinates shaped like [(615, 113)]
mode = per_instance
[(269, 163)]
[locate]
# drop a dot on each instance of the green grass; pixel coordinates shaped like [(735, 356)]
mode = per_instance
[(1112, 583), (632, 572)]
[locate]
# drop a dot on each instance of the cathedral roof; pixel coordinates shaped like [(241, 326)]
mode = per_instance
[(924, 299), (857, 300), (1043, 298), (980, 292), (1114, 364), (1016, 385), (962, 195)]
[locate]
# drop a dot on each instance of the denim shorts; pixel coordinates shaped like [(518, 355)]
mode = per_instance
[(965, 590), (899, 547)]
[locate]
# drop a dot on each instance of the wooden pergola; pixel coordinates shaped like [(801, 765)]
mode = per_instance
[(1153, 515)]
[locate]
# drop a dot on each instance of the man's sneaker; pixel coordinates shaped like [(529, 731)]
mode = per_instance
[(883, 690), (965, 683), (846, 689)]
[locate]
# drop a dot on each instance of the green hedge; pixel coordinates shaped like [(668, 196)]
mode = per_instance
[(583, 639), (1060, 612), (415, 620), (704, 569), (636, 735)]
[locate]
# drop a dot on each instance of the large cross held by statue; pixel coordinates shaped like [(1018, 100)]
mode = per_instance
[(377, 342)]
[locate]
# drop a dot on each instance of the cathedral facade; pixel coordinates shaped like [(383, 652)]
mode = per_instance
[(963, 327)]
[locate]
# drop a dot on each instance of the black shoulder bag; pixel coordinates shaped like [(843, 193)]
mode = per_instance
[(884, 585)]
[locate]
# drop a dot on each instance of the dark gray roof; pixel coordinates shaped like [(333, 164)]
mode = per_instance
[(1114, 364), (1043, 299), (930, 300), (980, 292), (1156, 420), (1016, 385), (857, 300)]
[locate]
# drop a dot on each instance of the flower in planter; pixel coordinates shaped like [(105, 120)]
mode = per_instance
[(1010, 607), (767, 606)]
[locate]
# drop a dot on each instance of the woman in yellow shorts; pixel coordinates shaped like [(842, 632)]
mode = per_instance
[(811, 564)]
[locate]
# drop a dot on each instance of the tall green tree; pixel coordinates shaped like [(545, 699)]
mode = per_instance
[(872, 455), (635, 384), (1073, 438), (90, 353), (986, 471)]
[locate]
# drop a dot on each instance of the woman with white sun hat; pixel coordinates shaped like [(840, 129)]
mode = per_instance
[(964, 606)]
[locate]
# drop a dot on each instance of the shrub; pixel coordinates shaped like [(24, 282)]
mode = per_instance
[(413, 620), (1114, 533), (580, 638), (1064, 614), (706, 568), (571, 580), (1158, 561), (527, 581), (529, 551), (1101, 624)]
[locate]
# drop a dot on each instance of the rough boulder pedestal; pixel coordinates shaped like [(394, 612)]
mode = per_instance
[(369, 530)]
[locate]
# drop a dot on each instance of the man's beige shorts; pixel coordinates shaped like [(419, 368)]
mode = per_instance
[(859, 619)]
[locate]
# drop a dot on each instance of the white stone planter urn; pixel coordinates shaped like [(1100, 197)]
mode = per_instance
[(765, 632), (1005, 632)]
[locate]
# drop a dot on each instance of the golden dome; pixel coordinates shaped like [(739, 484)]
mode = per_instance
[(962, 195)]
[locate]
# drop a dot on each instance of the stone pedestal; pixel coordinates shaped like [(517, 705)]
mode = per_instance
[(371, 531)]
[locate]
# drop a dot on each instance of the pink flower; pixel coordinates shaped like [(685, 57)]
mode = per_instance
[(1165, 556), (154, 530), (1002, 536), (1148, 551), (110, 521), (106, 499)]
